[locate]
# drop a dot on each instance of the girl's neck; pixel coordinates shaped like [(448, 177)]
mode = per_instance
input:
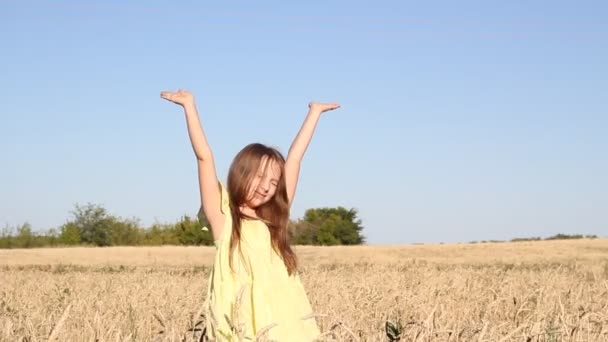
[(249, 212)]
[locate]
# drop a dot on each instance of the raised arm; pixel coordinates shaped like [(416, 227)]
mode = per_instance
[(300, 144), (207, 176)]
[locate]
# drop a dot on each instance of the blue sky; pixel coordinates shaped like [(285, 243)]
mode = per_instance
[(460, 121)]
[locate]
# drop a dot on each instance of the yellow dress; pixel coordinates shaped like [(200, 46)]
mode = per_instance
[(259, 297)]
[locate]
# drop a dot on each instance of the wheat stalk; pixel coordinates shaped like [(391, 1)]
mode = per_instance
[(57, 327)]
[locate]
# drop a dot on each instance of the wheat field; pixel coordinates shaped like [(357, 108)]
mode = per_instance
[(524, 291)]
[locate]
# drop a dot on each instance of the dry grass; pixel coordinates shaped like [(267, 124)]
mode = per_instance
[(526, 291)]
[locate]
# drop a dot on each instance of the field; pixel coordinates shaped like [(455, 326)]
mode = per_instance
[(524, 291)]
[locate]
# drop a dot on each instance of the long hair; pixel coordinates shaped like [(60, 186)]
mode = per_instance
[(275, 212)]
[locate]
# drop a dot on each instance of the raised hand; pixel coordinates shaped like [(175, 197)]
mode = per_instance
[(181, 97), (300, 144), (207, 176), (323, 107)]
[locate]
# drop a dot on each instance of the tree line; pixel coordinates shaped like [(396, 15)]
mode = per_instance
[(92, 225)]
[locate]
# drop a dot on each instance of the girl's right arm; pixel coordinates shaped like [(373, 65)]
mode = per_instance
[(207, 176)]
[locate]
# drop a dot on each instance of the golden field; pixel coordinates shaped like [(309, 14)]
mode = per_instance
[(523, 291)]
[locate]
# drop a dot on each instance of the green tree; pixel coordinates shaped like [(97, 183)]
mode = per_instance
[(301, 233), (93, 224), (50, 238), (125, 232), (329, 226), (190, 232), (25, 238), (160, 234), (69, 234), (6, 237)]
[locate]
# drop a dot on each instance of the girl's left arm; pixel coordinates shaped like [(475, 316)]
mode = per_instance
[(300, 144)]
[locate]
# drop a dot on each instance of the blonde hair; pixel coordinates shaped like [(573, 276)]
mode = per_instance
[(275, 212)]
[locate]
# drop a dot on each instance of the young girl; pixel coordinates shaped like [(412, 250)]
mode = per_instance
[(254, 288)]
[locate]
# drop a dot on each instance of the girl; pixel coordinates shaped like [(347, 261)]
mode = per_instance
[(254, 288)]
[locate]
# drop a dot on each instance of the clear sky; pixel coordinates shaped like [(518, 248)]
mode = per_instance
[(460, 120)]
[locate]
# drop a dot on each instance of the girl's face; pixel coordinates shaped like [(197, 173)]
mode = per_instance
[(264, 183)]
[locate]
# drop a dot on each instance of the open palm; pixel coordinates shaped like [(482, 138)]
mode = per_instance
[(181, 97), (323, 107)]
